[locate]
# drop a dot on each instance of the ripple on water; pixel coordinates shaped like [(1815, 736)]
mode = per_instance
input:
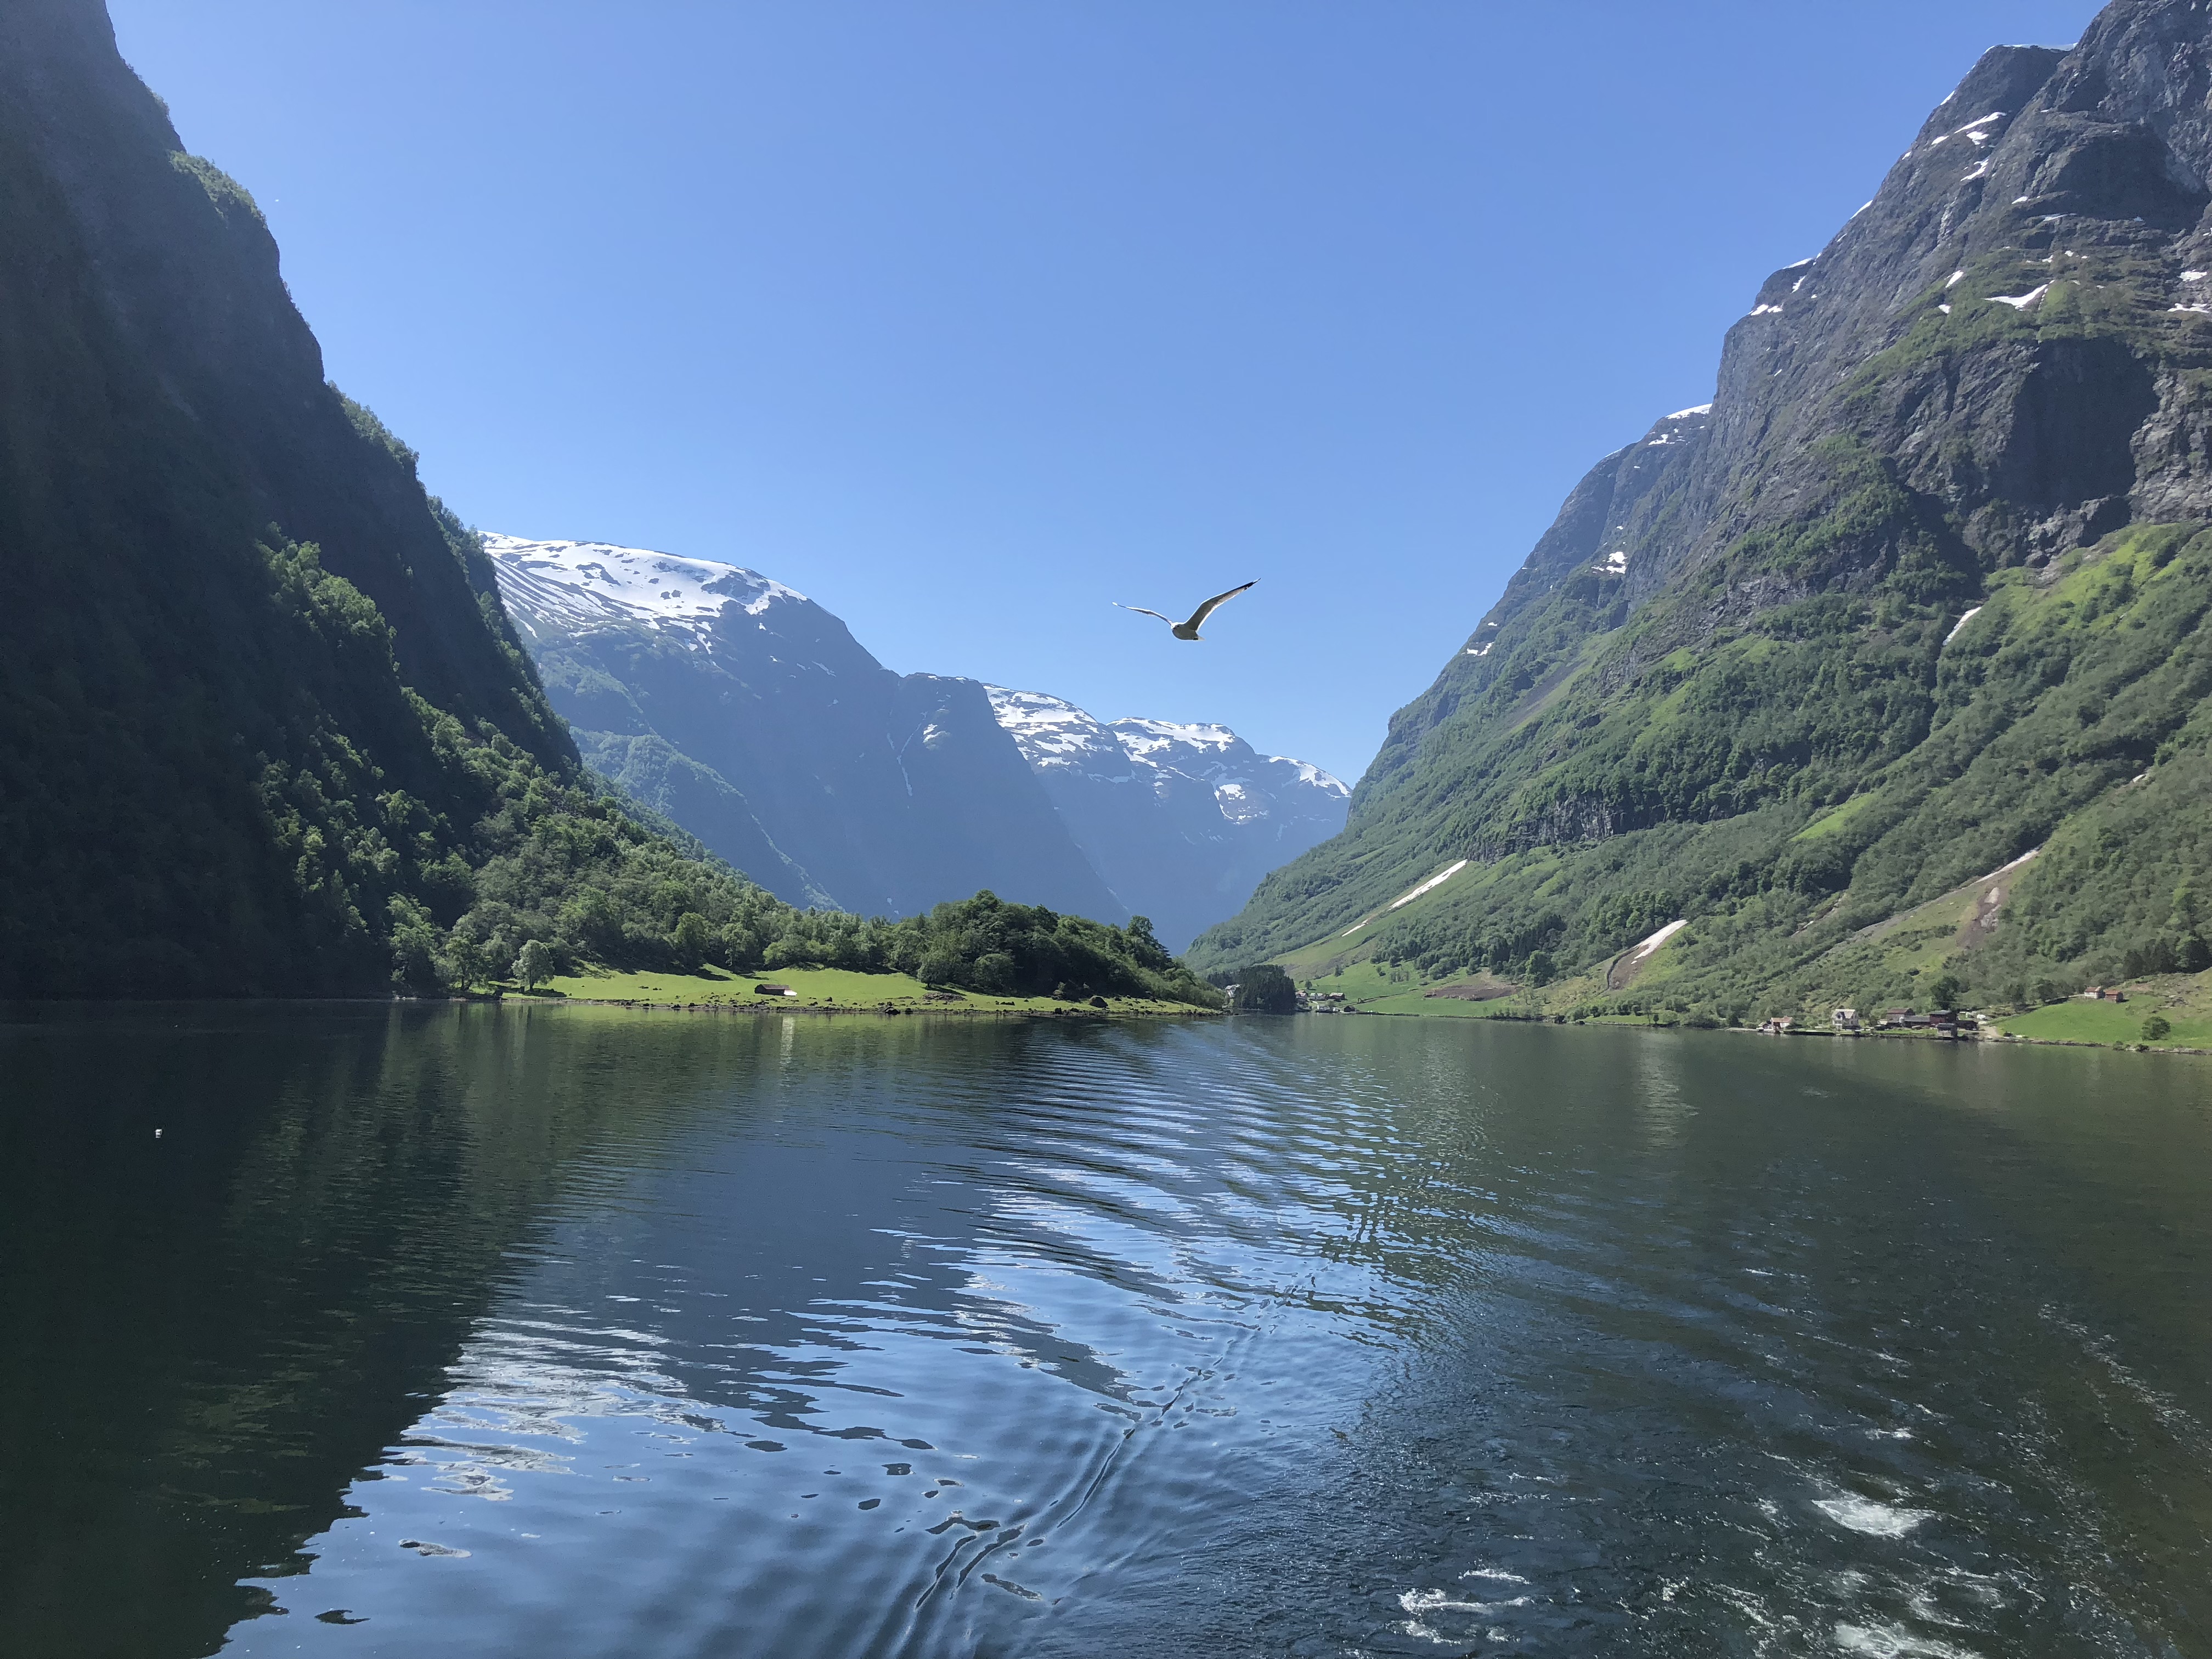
[(1260, 1338)]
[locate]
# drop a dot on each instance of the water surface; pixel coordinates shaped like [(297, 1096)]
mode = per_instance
[(475, 1332)]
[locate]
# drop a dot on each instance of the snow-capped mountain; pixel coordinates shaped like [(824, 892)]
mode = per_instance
[(578, 587), (750, 715), (1181, 820)]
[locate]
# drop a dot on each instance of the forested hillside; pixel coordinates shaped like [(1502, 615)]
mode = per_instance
[(1917, 597), (265, 727)]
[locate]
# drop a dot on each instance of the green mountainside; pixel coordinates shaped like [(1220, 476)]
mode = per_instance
[(264, 727), (1917, 599)]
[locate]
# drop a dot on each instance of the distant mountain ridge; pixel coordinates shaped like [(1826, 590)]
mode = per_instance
[(1186, 817), (751, 716), (1919, 592)]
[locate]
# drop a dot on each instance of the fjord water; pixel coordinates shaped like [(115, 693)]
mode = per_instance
[(482, 1332)]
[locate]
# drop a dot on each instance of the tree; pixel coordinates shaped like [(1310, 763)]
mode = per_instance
[(1147, 949), (1266, 989), (468, 959), (416, 964), (1944, 994), (690, 940), (534, 966), (2157, 1029)]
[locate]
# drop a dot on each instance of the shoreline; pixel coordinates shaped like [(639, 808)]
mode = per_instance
[(2000, 1039), (781, 1006)]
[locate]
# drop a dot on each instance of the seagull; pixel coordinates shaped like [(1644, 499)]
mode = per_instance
[(1187, 631)]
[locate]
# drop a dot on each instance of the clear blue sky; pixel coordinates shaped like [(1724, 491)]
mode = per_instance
[(967, 317)]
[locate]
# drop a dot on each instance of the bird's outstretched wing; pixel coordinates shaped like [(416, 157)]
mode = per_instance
[(1141, 612), (1198, 616)]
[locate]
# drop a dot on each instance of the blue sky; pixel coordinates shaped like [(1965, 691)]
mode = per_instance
[(967, 316)]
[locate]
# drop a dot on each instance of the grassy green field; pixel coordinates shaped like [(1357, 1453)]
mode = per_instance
[(1377, 988), (2184, 1000), (2108, 1022), (817, 987)]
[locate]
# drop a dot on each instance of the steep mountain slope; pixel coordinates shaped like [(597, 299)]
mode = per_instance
[(750, 715), (1181, 821), (233, 759), (242, 654), (1920, 593)]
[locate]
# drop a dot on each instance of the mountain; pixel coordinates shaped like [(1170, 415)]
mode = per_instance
[(264, 727), (750, 715), (1181, 821), (245, 663), (1815, 670)]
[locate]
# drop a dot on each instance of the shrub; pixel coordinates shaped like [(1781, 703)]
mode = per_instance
[(2157, 1029)]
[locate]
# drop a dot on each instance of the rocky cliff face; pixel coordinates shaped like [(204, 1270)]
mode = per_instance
[(1986, 396), (1181, 821)]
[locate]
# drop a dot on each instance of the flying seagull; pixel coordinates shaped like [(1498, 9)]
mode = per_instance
[(1187, 631)]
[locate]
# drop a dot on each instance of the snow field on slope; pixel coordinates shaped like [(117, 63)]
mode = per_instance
[(593, 584)]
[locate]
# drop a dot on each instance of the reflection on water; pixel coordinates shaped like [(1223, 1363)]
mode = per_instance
[(476, 1332)]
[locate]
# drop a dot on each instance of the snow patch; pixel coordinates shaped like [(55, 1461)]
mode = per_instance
[(1056, 739), (1684, 414), (594, 585), (2192, 276), (1308, 773), (2007, 869), (1648, 946), (1616, 563), (1430, 885), (1969, 616), (1957, 278), (2021, 302), (1055, 735), (1762, 311)]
